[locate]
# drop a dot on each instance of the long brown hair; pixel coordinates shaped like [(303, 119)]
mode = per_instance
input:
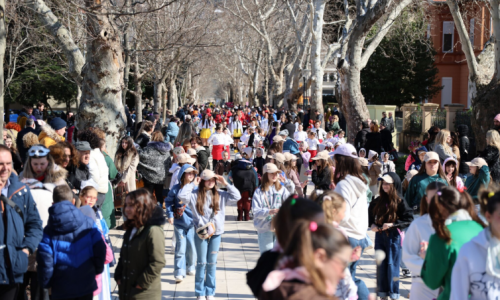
[(289, 168), (202, 193), (386, 207), (57, 153), (423, 171), (144, 205), (266, 183), (346, 165), (306, 242), (453, 181)]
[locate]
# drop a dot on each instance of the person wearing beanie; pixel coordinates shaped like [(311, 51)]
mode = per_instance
[(53, 132)]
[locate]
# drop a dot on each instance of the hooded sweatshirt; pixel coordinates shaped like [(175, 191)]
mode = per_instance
[(175, 169), (470, 280), (473, 183), (355, 222), (261, 207), (417, 186), (189, 195), (172, 202)]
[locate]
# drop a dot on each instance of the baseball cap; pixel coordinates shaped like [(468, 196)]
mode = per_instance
[(270, 168), (322, 155), (363, 162), (477, 162), (283, 132), (207, 174), (83, 146), (431, 155), (191, 151), (277, 138), (346, 150), (185, 158), (289, 156), (386, 178), (191, 169), (179, 150), (280, 157)]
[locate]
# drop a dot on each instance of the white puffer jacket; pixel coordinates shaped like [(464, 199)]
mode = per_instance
[(99, 171)]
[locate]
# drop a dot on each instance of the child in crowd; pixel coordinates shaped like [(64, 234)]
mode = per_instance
[(340, 137), (300, 135), (330, 138), (185, 252), (387, 165), (375, 171), (362, 152), (259, 161), (293, 173), (320, 133), (322, 175), (450, 168), (88, 198), (312, 143), (70, 274), (224, 166)]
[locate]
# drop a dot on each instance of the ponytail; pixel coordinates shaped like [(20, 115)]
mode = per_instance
[(488, 200)]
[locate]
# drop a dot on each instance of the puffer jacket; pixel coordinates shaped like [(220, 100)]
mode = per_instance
[(243, 175), (172, 130), (20, 232), (360, 140), (70, 273), (152, 162), (99, 170), (491, 155), (172, 202), (203, 155), (141, 260)]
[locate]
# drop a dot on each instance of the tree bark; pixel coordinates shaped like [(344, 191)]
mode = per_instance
[(3, 45), (316, 68), (101, 105)]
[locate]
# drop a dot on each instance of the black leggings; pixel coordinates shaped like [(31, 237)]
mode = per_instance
[(157, 189)]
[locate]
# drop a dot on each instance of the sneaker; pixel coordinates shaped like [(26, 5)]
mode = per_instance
[(210, 298), (406, 273), (178, 279), (200, 298), (191, 273)]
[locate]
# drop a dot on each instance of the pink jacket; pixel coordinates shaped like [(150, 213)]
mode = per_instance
[(109, 258)]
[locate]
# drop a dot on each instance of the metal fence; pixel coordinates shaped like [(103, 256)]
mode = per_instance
[(438, 118)]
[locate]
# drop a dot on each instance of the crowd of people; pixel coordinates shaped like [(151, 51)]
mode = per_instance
[(62, 193)]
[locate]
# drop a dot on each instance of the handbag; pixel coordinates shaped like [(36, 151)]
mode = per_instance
[(120, 195), (208, 230)]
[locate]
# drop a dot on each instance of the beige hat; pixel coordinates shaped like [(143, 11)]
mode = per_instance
[(207, 174), (191, 169), (277, 138), (191, 151), (270, 168), (431, 155), (248, 151), (386, 178), (289, 156), (280, 157), (363, 161), (179, 150), (477, 162), (184, 158), (322, 155)]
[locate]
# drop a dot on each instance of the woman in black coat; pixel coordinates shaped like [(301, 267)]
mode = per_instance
[(491, 154), (288, 125), (374, 139)]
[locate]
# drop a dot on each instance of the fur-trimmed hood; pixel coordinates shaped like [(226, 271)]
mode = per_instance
[(49, 132), (56, 176), (124, 160)]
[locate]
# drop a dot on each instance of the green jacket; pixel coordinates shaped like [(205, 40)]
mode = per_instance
[(418, 185), (440, 257), (141, 260), (108, 207), (473, 183), (369, 194)]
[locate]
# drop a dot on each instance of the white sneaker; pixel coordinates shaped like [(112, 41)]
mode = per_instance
[(200, 298), (210, 298), (178, 279), (191, 273)]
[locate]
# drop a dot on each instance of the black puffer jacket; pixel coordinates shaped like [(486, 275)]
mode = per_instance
[(360, 140), (463, 146), (203, 155), (244, 177), (373, 142), (323, 179), (491, 155), (143, 140)]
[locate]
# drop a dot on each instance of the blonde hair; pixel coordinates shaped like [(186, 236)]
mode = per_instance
[(493, 138), (331, 203), (441, 140)]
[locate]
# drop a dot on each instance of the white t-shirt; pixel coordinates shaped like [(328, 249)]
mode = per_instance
[(300, 136), (312, 143)]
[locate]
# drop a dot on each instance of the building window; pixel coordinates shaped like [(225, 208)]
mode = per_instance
[(325, 77), (330, 77), (448, 35), (471, 32)]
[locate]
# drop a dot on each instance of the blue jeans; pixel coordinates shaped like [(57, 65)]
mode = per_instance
[(185, 252), (363, 292), (266, 241), (206, 264), (389, 242)]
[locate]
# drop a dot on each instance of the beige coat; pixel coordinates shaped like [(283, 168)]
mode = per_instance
[(127, 166)]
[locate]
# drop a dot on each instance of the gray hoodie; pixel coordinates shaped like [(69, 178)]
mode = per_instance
[(189, 194)]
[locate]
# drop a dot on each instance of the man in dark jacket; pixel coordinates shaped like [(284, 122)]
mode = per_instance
[(244, 180), (70, 275), (386, 137), (38, 111), (180, 114), (288, 125), (30, 127), (201, 152), (463, 146), (20, 227), (360, 140)]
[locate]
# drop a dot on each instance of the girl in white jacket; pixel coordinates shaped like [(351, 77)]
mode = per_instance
[(476, 274), (417, 236)]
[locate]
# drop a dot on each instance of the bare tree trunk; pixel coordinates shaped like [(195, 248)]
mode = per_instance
[(316, 68), (3, 45), (101, 104), (353, 103), (173, 94), (164, 103), (126, 73)]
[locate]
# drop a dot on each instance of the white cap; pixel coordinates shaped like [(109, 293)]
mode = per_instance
[(322, 155), (270, 168), (191, 151), (386, 178), (477, 162), (431, 155), (346, 150), (289, 156), (280, 157), (277, 138), (207, 174), (363, 162)]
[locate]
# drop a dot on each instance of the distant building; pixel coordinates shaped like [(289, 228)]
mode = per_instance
[(449, 58)]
